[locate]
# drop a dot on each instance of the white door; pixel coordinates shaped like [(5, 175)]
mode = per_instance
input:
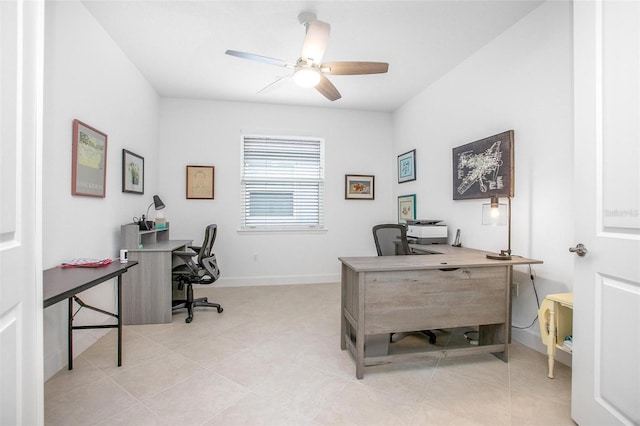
[(21, 358), (606, 336)]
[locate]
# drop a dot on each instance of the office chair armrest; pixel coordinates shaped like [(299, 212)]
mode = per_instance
[(185, 255), (188, 264), (195, 248), (185, 252)]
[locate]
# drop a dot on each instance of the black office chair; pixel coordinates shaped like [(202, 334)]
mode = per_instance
[(391, 240), (204, 270)]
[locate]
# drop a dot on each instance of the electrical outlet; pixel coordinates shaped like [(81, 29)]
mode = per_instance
[(514, 289)]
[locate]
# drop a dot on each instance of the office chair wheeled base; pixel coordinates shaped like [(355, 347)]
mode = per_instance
[(189, 303)]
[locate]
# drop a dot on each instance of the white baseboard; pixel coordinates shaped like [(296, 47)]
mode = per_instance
[(82, 340), (277, 280), (54, 363), (533, 341)]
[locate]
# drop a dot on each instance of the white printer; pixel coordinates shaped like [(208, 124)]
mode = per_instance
[(426, 231)]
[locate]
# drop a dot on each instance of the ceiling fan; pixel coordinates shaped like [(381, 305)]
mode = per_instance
[(309, 71)]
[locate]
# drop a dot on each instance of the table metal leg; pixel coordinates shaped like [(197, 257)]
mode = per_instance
[(116, 315), (70, 334), (119, 316)]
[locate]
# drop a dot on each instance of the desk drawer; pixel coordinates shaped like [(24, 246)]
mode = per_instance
[(428, 299)]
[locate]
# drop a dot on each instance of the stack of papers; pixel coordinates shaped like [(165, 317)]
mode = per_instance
[(86, 263)]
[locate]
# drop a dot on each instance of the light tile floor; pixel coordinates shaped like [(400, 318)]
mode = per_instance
[(273, 358)]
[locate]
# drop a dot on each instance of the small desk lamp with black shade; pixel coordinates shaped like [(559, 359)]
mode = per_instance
[(497, 214), (159, 205)]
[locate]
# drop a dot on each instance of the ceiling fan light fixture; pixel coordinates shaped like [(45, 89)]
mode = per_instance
[(307, 76), (309, 70)]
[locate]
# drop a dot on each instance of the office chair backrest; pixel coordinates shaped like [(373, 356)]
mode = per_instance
[(206, 248), (391, 239), (206, 257)]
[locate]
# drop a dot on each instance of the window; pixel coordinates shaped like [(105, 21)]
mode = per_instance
[(282, 183)]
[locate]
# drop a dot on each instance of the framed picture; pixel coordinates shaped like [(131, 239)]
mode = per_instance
[(200, 182), (406, 208), (132, 172), (359, 187), (484, 168), (407, 166), (88, 161)]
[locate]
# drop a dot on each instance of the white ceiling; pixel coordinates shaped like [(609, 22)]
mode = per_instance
[(179, 45)]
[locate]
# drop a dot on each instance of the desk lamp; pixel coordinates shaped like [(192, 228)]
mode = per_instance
[(496, 214), (159, 206)]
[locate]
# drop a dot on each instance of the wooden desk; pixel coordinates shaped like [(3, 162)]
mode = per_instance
[(148, 289), (455, 288), (59, 284)]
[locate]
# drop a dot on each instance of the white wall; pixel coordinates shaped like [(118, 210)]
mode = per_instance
[(89, 78), (522, 81), (208, 133)]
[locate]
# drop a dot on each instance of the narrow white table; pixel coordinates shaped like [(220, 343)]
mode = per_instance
[(556, 320)]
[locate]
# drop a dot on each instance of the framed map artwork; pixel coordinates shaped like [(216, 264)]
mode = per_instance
[(484, 168)]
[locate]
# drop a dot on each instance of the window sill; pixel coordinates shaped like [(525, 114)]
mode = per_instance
[(282, 230)]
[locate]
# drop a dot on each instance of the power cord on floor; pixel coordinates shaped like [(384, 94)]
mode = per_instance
[(535, 291)]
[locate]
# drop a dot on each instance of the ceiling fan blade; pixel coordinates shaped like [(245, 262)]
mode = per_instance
[(275, 83), (258, 58), (354, 68), (315, 42), (327, 89)]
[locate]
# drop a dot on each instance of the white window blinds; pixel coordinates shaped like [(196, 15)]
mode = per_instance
[(282, 183)]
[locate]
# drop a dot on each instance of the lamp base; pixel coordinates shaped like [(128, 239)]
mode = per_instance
[(503, 255)]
